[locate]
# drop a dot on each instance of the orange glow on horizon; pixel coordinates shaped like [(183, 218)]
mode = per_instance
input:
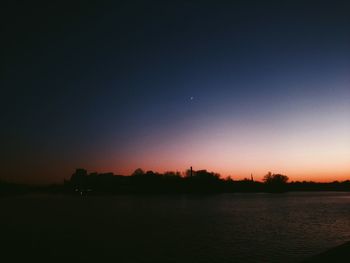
[(309, 145)]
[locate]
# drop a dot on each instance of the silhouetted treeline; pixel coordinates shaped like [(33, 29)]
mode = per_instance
[(201, 181), (145, 182)]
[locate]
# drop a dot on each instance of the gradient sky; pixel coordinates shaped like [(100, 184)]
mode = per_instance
[(236, 88)]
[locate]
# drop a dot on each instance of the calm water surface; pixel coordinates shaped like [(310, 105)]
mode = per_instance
[(174, 228)]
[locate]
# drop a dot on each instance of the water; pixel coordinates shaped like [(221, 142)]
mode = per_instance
[(174, 228)]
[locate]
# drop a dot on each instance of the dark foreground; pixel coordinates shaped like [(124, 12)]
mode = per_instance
[(215, 228), (337, 254)]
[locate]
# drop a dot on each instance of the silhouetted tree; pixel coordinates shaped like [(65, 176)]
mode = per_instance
[(172, 174), (79, 177), (276, 182), (138, 172), (80, 181)]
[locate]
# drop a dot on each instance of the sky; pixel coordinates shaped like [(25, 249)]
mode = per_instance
[(235, 87)]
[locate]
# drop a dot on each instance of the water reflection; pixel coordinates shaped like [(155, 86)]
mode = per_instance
[(175, 228)]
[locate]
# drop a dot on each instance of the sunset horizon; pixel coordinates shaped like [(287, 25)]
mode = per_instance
[(243, 89), (182, 131)]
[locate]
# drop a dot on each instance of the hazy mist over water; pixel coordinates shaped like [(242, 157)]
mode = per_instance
[(174, 228)]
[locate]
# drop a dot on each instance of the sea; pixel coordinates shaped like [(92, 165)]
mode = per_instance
[(246, 227)]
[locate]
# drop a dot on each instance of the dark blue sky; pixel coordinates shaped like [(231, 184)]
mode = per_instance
[(107, 86)]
